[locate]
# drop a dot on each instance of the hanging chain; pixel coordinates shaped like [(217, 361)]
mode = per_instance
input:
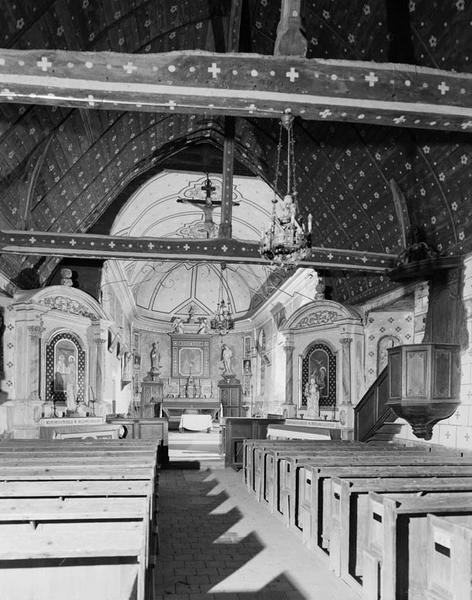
[(277, 163)]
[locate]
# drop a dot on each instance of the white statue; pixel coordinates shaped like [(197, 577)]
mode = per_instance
[(203, 327), (226, 356), (312, 395), (155, 356), (177, 325)]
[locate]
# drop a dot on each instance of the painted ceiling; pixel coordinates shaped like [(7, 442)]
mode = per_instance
[(162, 289), (90, 158)]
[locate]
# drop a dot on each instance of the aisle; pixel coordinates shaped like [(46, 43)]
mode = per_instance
[(195, 449), (217, 542)]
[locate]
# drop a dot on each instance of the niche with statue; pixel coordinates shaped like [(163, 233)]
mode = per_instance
[(65, 376)]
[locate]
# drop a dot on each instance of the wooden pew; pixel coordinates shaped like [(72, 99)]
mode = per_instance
[(90, 476), (283, 469), (281, 476), (348, 513), (253, 447), (314, 483), (261, 451), (448, 560), (98, 561), (394, 560)]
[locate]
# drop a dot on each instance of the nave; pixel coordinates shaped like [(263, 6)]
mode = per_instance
[(217, 542)]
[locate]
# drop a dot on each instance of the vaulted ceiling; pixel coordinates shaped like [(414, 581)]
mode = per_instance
[(78, 165)]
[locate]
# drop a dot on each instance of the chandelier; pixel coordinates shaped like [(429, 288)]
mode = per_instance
[(222, 320), (288, 240)]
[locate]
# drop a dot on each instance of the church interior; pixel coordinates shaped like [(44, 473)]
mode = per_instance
[(245, 223)]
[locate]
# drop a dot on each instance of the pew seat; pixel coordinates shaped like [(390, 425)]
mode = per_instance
[(394, 566), (448, 559)]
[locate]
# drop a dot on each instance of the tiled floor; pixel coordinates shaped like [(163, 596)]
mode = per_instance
[(217, 542)]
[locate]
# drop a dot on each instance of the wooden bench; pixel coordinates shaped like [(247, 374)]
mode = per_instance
[(283, 469), (76, 489), (254, 447), (348, 513), (314, 492), (282, 477), (261, 451), (97, 561), (394, 560), (448, 560)]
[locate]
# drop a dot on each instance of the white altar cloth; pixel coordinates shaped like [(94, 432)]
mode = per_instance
[(195, 422)]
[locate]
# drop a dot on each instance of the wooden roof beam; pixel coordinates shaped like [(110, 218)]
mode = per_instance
[(240, 85), (92, 246)]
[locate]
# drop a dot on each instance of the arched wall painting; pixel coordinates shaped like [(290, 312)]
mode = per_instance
[(320, 361), (385, 342), (65, 370)]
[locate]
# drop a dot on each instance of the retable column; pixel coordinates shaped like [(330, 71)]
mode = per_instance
[(288, 406), (346, 410)]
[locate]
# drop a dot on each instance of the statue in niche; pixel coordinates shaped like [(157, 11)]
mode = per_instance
[(226, 357), (312, 396), (65, 373), (155, 356), (71, 387)]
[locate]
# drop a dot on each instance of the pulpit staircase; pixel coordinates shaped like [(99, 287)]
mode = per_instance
[(374, 421)]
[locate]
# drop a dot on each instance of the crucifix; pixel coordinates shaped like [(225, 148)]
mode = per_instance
[(207, 205)]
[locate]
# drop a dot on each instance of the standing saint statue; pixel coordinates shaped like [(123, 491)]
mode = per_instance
[(312, 395), (155, 356), (226, 356)]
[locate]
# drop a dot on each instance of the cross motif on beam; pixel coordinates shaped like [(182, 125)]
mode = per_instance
[(214, 70), (129, 67), (443, 88), (44, 63), (292, 74), (371, 78)]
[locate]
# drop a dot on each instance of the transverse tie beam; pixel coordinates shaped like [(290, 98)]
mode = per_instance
[(240, 85), (84, 245)]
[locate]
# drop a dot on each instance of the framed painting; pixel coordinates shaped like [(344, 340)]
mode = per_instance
[(190, 356)]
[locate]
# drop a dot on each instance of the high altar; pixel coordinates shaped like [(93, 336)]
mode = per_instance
[(190, 386)]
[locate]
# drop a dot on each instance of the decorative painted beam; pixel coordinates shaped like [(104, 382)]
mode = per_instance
[(84, 245), (225, 230), (240, 85)]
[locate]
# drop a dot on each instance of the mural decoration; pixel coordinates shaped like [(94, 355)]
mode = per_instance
[(319, 371)]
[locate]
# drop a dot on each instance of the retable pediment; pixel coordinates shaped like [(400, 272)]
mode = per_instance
[(319, 313)]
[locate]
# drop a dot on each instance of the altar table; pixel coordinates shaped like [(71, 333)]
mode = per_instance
[(195, 422)]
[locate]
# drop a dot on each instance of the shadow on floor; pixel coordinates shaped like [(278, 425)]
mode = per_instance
[(201, 548), (180, 465)]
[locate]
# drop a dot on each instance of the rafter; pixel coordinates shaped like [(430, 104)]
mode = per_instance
[(81, 245), (240, 84)]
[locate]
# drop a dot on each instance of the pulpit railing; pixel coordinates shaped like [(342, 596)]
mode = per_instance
[(372, 410)]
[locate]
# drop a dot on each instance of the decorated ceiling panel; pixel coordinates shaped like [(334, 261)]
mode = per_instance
[(163, 207), (90, 157)]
